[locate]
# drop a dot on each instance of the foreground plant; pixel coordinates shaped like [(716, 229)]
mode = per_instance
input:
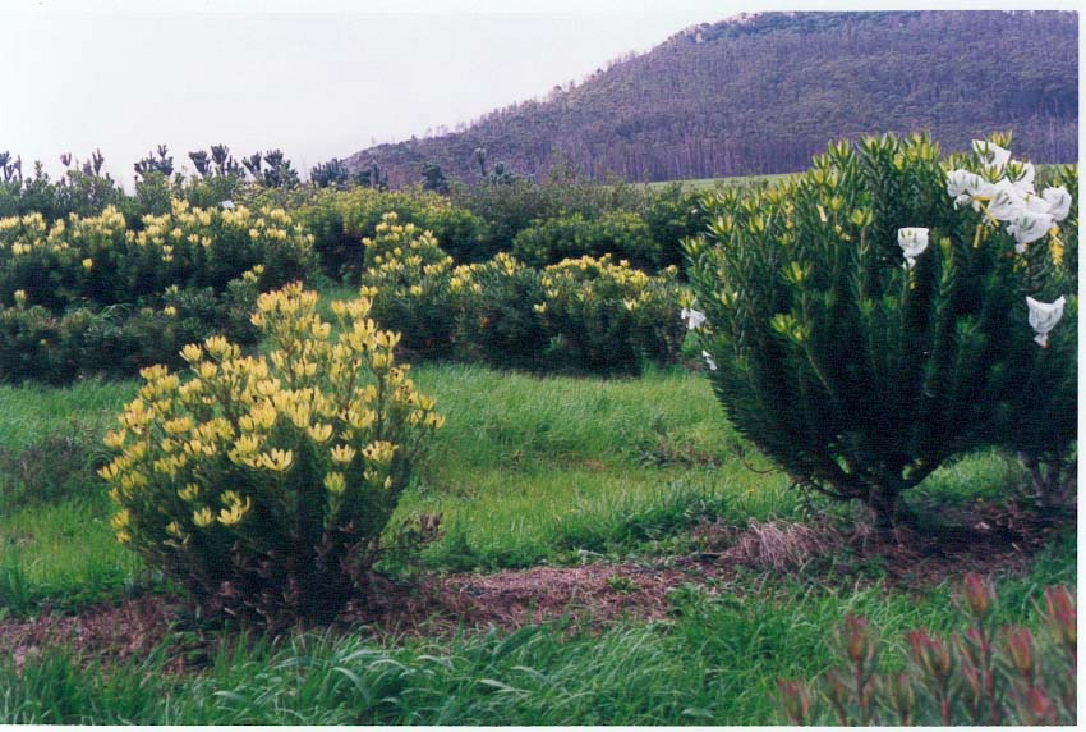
[(989, 675), (877, 315), (262, 484)]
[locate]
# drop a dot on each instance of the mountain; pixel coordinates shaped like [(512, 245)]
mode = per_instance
[(762, 93)]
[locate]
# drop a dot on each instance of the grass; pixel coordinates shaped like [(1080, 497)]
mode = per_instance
[(539, 471)]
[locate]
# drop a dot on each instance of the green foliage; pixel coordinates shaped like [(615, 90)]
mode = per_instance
[(36, 345), (623, 234), (499, 321), (409, 281), (341, 220), (510, 205), (610, 318), (263, 484), (989, 675), (856, 371), (673, 214)]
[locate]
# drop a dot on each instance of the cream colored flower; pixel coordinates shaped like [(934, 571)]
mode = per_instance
[(1043, 317), (913, 242)]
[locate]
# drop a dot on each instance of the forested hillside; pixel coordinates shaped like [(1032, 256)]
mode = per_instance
[(760, 94)]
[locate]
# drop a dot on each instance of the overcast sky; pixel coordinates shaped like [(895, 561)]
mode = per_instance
[(317, 78)]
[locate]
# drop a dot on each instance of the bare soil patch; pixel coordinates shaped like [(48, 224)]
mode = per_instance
[(983, 539)]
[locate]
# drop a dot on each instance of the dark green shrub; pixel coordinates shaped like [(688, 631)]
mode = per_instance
[(502, 323), (674, 215), (36, 345), (609, 318), (620, 233), (857, 356)]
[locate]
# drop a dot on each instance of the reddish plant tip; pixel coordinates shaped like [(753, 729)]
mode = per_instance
[(1040, 707), (858, 639), (1060, 607), (1020, 644), (979, 594), (796, 700)]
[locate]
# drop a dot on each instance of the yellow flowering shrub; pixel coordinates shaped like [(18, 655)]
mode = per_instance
[(107, 260), (609, 317), (342, 220), (501, 319), (409, 278), (263, 483)]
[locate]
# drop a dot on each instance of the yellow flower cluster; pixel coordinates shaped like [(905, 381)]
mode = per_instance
[(240, 421), (589, 279)]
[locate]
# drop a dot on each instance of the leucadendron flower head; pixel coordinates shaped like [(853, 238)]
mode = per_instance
[(1043, 317), (913, 242)]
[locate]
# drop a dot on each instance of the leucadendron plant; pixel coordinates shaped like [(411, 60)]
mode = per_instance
[(262, 484), (889, 309), (988, 675)]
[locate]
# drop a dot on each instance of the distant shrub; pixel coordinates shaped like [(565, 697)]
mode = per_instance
[(262, 484), (610, 318), (36, 345), (100, 261), (501, 320), (341, 220), (409, 280), (620, 233), (510, 204), (50, 467), (673, 215), (988, 676)]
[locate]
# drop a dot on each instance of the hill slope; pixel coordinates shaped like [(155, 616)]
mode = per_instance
[(760, 94)]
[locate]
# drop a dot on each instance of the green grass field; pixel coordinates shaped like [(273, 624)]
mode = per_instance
[(526, 472)]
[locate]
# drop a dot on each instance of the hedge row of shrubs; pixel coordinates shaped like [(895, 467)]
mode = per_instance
[(588, 314), (92, 295), (524, 218)]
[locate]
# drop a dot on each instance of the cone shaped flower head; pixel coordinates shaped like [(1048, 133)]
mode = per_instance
[(1043, 317), (913, 242)]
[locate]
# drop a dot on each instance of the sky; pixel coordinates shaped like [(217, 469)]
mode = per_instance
[(315, 78)]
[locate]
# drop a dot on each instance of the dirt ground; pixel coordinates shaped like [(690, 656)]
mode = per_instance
[(985, 539)]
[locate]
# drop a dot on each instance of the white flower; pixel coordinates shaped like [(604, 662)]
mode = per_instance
[(991, 154), (961, 182), (1043, 317), (1059, 202), (1029, 226), (913, 242), (693, 318), (1006, 203), (1024, 185), (709, 360), (227, 204)]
